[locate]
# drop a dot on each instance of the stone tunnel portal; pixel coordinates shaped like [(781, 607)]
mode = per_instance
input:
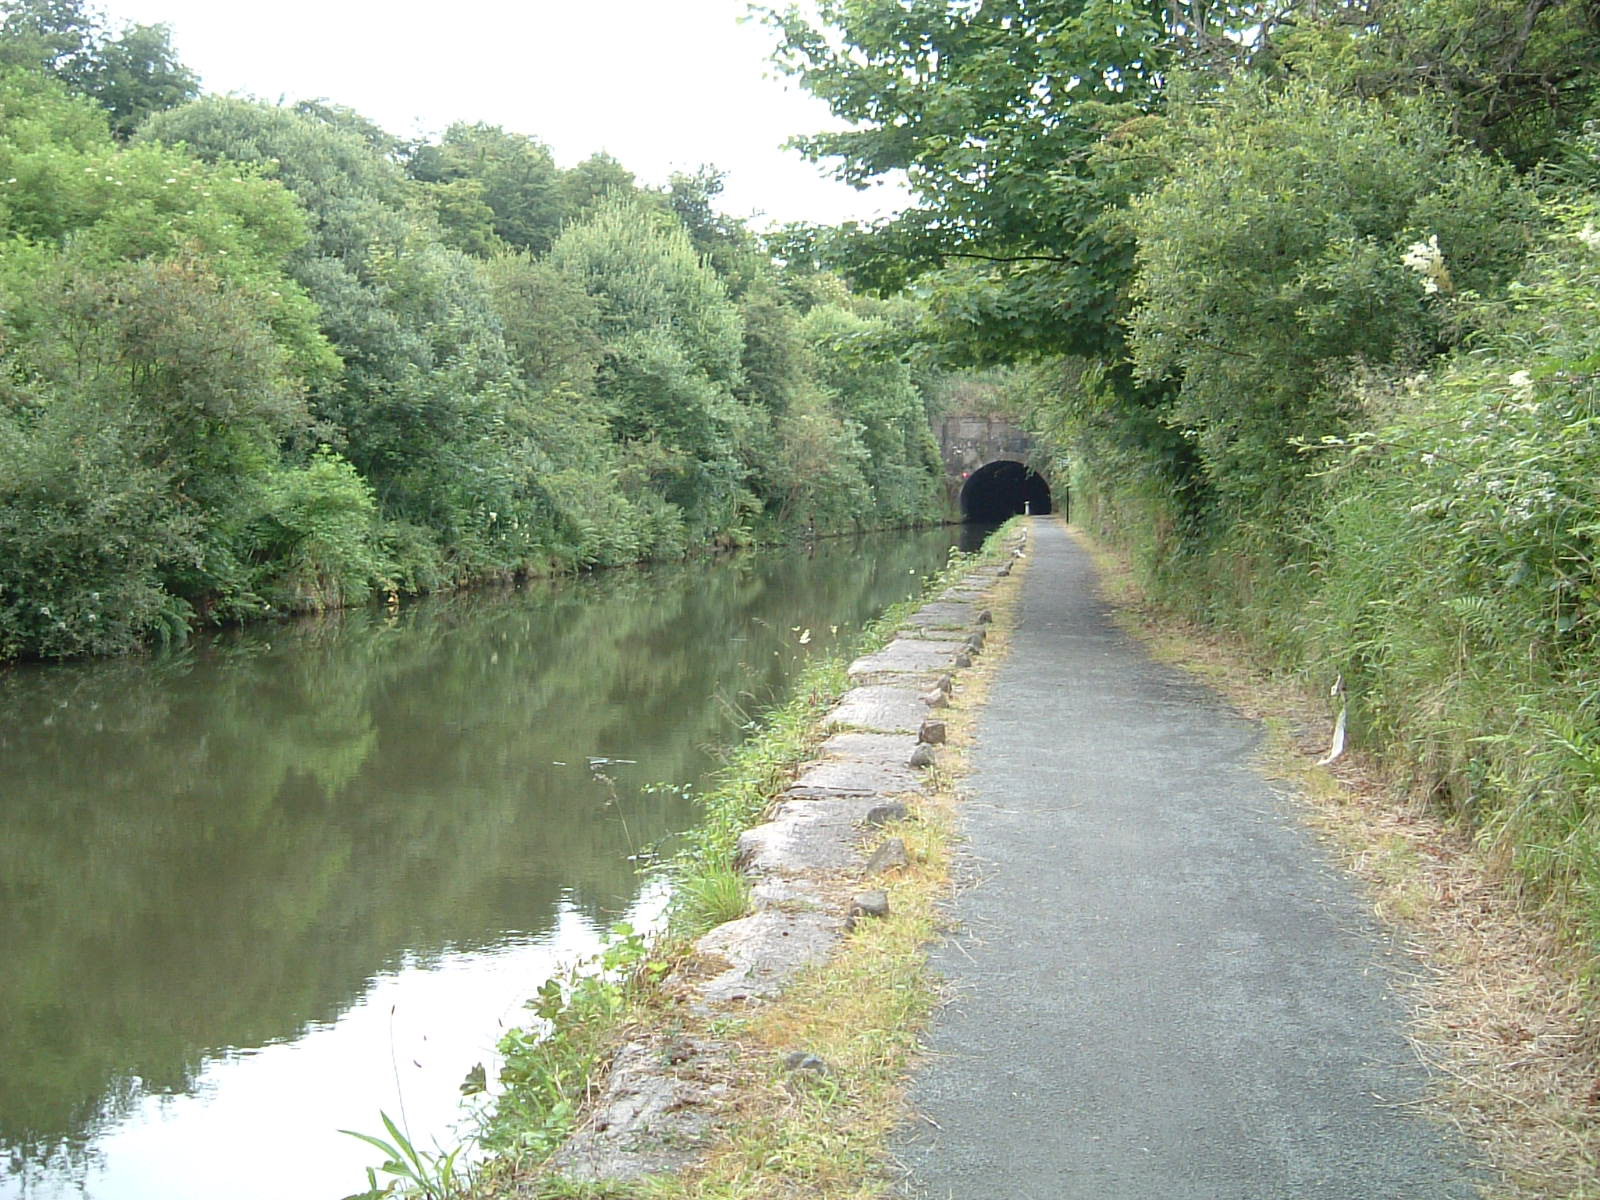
[(1003, 489)]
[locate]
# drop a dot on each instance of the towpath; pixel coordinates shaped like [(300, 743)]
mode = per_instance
[(1161, 987)]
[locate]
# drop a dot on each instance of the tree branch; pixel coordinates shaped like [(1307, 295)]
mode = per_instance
[(1519, 40), (1004, 258)]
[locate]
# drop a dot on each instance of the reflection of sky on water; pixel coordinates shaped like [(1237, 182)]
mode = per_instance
[(264, 1124), (243, 886)]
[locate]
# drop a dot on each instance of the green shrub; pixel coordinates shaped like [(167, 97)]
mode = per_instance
[(84, 533), (317, 536), (1272, 262), (1457, 584)]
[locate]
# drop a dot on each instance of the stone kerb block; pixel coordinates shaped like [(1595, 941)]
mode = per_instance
[(655, 1116), (806, 837), (889, 749), (905, 656), (763, 952), (878, 708), (843, 777), (790, 893), (942, 615)]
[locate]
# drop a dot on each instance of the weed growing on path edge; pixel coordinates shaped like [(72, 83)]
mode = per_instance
[(1501, 1016)]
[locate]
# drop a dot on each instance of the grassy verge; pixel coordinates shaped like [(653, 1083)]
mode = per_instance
[(1502, 1007), (863, 1014), (786, 1133)]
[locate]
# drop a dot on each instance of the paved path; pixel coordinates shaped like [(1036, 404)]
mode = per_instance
[(1162, 990)]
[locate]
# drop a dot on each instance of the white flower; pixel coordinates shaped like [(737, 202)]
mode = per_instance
[(1589, 236), (1427, 260), (1521, 382), (1422, 256)]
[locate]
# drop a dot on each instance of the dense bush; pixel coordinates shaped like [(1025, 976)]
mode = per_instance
[(1457, 586), (262, 358), (1272, 262)]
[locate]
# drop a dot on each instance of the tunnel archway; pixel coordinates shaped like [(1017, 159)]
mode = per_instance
[(1004, 489)]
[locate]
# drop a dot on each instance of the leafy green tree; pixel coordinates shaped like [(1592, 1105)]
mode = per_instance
[(551, 324), (150, 322), (587, 186), (315, 539), (674, 342), (1517, 76), (174, 388), (465, 220), (516, 179), (320, 155), (427, 407), (138, 73), (775, 362), (55, 36), (724, 242), (130, 74), (991, 111), (875, 393)]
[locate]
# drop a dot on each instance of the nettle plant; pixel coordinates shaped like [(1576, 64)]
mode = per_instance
[(1457, 588), (1496, 451)]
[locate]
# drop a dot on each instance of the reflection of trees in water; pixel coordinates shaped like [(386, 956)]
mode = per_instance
[(217, 849)]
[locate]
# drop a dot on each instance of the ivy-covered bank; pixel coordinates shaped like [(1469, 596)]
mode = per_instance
[(262, 359), (632, 1009)]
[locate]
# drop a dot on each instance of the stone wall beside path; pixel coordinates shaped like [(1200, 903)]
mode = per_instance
[(811, 866)]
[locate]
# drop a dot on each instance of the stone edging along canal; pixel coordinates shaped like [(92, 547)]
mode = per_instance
[(812, 866)]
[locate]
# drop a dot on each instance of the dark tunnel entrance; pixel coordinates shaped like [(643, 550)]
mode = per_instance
[(1003, 489)]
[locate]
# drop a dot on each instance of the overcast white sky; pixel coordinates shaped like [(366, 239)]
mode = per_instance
[(660, 84)]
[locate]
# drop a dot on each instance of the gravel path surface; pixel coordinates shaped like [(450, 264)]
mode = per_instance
[(1161, 987)]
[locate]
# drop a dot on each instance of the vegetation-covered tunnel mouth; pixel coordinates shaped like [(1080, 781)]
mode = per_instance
[(1004, 489)]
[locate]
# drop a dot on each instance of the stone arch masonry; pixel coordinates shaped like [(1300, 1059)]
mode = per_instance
[(969, 441)]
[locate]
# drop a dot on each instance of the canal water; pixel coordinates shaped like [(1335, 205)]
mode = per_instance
[(259, 889)]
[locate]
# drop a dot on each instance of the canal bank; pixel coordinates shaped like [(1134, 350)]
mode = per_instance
[(766, 1053)]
